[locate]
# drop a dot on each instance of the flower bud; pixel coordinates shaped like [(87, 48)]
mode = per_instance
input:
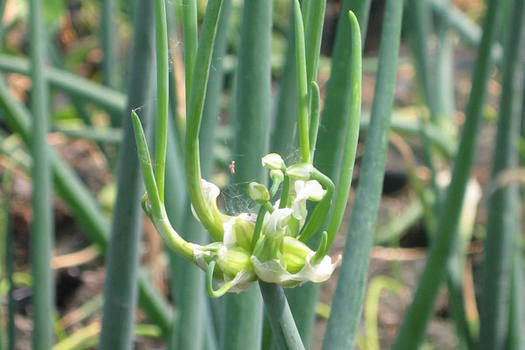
[(301, 171), (273, 161), (258, 192)]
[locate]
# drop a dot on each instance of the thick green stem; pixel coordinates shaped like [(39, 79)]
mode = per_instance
[(162, 56), (346, 308), (303, 123), (313, 35), (501, 223), (330, 143), (109, 44), (191, 41), (420, 24), (193, 308), (82, 204), (42, 231), (515, 336), (284, 330), (418, 314), (281, 140), (243, 312), (444, 71), (120, 292)]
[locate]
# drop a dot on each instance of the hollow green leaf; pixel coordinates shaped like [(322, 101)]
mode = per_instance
[(42, 227), (419, 312), (346, 308)]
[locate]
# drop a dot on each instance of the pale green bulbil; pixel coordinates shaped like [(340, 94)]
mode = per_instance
[(302, 171), (258, 192), (273, 161), (233, 260), (239, 231)]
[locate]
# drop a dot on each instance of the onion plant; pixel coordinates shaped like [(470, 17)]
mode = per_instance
[(268, 246), (120, 290)]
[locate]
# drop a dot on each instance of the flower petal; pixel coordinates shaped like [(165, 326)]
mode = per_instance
[(272, 271)]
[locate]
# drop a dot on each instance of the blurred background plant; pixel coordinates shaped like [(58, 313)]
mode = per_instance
[(432, 240)]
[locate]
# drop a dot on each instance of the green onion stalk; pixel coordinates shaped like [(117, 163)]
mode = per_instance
[(270, 245)]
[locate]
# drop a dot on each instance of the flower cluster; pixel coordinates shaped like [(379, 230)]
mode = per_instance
[(268, 246)]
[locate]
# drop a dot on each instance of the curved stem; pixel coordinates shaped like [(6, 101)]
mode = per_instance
[(322, 250), (209, 282), (156, 210), (209, 219), (258, 227), (321, 209), (145, 165), (286, 191)]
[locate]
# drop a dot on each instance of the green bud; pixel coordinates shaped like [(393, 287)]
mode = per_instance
[(301, 171), (273, 161), (258, 192)]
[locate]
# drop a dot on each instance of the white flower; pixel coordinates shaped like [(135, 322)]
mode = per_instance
[(272, 271), (309, 190)]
